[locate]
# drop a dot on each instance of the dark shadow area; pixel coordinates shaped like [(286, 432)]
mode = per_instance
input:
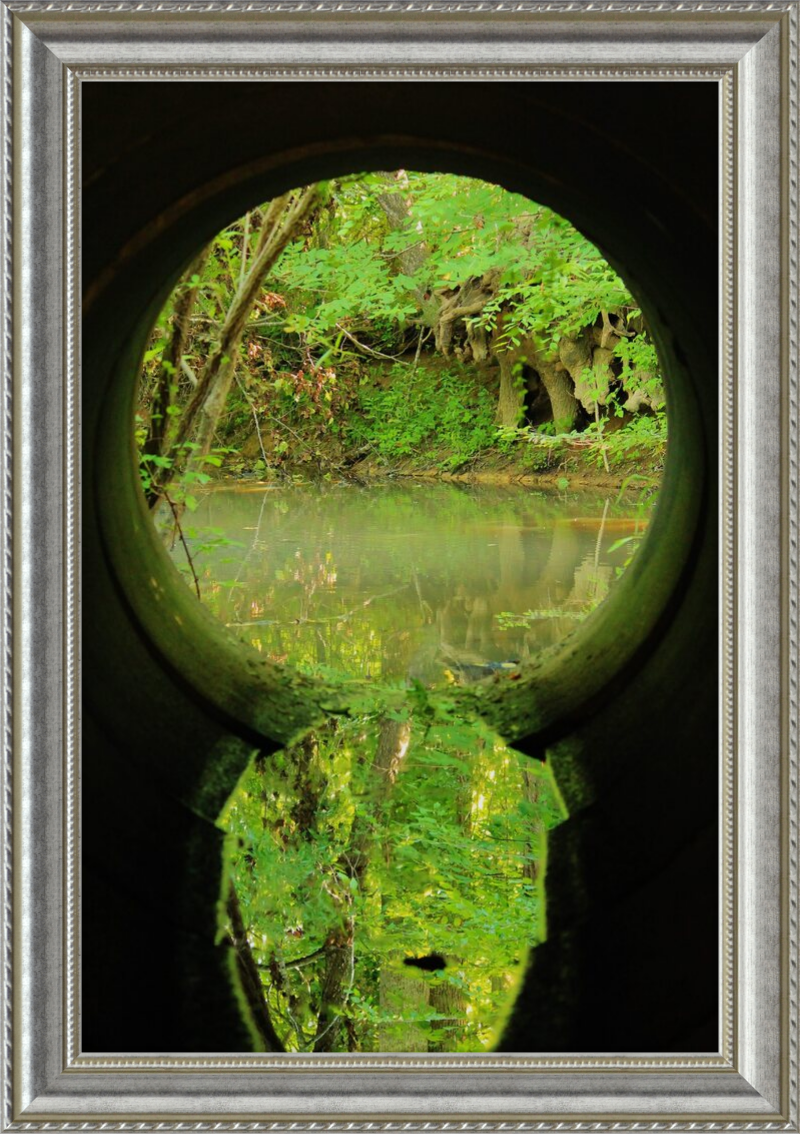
[(173, 709)]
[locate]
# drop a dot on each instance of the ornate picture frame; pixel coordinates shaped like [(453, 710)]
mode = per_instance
[(749, 50)]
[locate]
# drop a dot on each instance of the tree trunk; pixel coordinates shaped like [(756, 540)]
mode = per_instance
[(396, 210), (575, 355), (399, 993), (449, 1002), (558, 384), (391, 747), (588, 359), (410, 259), (336, 980), (465, 302), (445, 998), (309, 782), (511, 399), (171, 361), (478, 340), (531, 790), (282, 221), (249, 976)]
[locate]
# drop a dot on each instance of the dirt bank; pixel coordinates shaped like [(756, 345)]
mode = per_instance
[(575, 468), (562, 466)]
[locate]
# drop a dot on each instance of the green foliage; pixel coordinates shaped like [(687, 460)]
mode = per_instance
[(345, 282), (640, 368), (418, 412), (440, 854), (367, 280), (643, 437), (561, 285), (508, 437), (536, 450), (549, 278), (183, 490)]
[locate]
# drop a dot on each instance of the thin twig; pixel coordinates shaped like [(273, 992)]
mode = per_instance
[(600, 536), (298, 962), (419, 348), (288, 428), (600, 434), (176, 518), (247, 398), (190, 374)]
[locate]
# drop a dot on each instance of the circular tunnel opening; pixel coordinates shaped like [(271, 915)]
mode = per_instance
[(377, 452), (236, 703)]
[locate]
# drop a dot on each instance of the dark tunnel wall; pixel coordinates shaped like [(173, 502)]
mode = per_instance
[(173, 709)]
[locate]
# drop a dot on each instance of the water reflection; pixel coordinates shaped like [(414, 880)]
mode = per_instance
[(407, 581), (389, 871), (386, 873)]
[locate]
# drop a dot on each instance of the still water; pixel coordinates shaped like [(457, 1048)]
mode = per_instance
[(401, 581)]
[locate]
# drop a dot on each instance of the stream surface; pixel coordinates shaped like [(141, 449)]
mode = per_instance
[(411, 580)]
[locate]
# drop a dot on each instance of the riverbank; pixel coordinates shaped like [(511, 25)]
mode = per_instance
[(573, 470), (547, 463)]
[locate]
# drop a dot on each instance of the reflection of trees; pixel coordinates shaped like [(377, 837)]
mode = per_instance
[(398, 585), (339, 949), (365, 844), (563, 579)]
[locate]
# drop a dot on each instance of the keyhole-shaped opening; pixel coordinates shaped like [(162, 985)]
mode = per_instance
[(404, 430)]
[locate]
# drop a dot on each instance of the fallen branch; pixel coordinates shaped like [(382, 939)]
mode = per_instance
[(366, 349)]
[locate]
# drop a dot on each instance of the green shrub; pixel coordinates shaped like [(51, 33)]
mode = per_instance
[(421, 411), (646, 436)]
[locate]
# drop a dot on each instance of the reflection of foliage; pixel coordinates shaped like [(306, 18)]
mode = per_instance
[(369, 842), (397, 583)]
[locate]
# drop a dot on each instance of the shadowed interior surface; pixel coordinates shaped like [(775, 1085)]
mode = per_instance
[(627, 710)]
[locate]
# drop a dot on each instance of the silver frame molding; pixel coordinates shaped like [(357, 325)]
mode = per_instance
[(751, 50)]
